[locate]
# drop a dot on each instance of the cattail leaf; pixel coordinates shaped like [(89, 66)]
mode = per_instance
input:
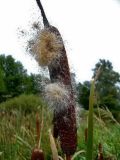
[(89, 153), (53, 147)]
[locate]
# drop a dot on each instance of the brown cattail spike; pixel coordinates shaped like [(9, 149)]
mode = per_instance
[(37, 154), (65, 119), (100, 152)]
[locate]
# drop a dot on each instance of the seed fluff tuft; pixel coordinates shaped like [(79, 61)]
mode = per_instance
[(57, 96), (47, 47)]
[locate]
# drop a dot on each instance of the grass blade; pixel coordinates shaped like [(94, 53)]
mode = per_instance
[(89, 153)]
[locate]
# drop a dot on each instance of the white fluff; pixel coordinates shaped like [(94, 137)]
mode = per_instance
[(57, 96)]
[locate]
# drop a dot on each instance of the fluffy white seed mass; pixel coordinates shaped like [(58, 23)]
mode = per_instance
[(57, 96), (47, 47)]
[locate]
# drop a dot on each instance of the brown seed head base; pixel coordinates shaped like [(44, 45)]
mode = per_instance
[(64, 121), (67, 130)]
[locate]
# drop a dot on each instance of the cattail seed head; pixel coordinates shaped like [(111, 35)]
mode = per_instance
[(64, 119), (47, 47), (37, 154)]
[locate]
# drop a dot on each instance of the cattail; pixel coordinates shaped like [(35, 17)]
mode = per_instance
[(37, 154), (64, 120)]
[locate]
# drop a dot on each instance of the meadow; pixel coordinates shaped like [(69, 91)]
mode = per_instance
[(18, 130)]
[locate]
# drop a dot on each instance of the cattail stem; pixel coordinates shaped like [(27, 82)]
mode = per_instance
[(39, 127), (45, 21)]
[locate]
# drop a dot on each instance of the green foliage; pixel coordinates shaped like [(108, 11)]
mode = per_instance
[(108, 92), (83, 94), (2, 84), (106, 87), (106, 131), (34, 83), (18, 129), (14, 76), (14, 79), (23, 103)]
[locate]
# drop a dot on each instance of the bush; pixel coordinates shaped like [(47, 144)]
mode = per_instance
[(23, 103)]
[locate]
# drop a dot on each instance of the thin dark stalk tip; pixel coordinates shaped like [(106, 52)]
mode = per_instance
[(45, 20)]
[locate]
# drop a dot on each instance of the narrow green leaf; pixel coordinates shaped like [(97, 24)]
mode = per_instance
[(89, 153)]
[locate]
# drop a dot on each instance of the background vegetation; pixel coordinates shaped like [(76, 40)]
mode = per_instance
[(21, 99)]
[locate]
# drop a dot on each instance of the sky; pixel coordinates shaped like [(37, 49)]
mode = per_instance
[(90, 30)]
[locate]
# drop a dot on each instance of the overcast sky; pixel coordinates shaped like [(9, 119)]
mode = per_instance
[(90, 30)]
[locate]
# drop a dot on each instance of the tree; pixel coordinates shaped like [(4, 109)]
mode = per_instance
[(83, 94), (14, 76), (31, 84), (2, 84), (14, 79), (107, 85)]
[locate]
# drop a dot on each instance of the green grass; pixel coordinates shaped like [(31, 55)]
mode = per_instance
[(18, 131), (24, 103)]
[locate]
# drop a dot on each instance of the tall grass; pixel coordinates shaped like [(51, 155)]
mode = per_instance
[(18, 133), (23, 103)]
